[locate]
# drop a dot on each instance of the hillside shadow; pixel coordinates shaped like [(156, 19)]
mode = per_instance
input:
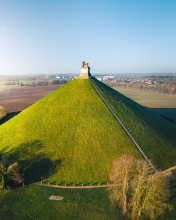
[(34, 164), (8, 117), (167, 113)]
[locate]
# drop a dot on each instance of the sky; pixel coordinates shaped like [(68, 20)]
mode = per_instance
[(114, 36)]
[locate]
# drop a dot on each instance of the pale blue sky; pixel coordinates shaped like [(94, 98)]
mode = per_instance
[(115, 36)]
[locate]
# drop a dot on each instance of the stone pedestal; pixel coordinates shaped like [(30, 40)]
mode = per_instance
[(85, 70)]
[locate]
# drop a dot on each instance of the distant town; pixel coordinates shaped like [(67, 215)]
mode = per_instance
[(162, 83), (158, 82)]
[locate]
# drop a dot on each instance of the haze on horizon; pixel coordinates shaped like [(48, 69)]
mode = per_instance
[(116, 36)]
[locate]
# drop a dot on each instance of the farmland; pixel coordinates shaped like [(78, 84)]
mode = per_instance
[(17, 98), (164, 104)]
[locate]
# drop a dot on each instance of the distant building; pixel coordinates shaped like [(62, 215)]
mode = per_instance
[(85, 70), (108, 78), (100, 79)]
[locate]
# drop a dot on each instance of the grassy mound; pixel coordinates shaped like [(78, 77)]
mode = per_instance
[(68, 136), (156, 136)]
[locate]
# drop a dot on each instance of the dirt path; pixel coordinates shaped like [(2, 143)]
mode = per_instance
[(169, 169)]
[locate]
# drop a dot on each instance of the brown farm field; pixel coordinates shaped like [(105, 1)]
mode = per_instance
[(164, 104), (15, 98)]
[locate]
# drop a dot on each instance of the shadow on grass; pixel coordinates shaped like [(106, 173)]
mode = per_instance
[(8, 117), (34, 164), (167, 113)]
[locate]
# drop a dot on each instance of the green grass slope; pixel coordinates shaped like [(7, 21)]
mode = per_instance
[(68, 136), (156, 136)]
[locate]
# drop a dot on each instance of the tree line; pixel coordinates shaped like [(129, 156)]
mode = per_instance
[(160, 88), (34, 82)]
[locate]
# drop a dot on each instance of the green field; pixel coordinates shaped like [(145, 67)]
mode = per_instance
[(164, 104), (32, 202)]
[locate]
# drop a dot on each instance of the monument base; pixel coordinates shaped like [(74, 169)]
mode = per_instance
[(85, 72)]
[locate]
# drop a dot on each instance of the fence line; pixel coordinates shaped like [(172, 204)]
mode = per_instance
[(73, 186), (92, 185)]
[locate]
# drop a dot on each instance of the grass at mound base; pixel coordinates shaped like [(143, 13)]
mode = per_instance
[(68, 136), (33, 202)]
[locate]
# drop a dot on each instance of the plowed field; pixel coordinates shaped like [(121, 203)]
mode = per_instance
[(14, 100)]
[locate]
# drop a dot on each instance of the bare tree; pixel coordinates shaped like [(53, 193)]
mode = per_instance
[(2, 112), (139, 192), (10, 175), (121, 175), (139, 185), (13, 174), (2, 175)]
